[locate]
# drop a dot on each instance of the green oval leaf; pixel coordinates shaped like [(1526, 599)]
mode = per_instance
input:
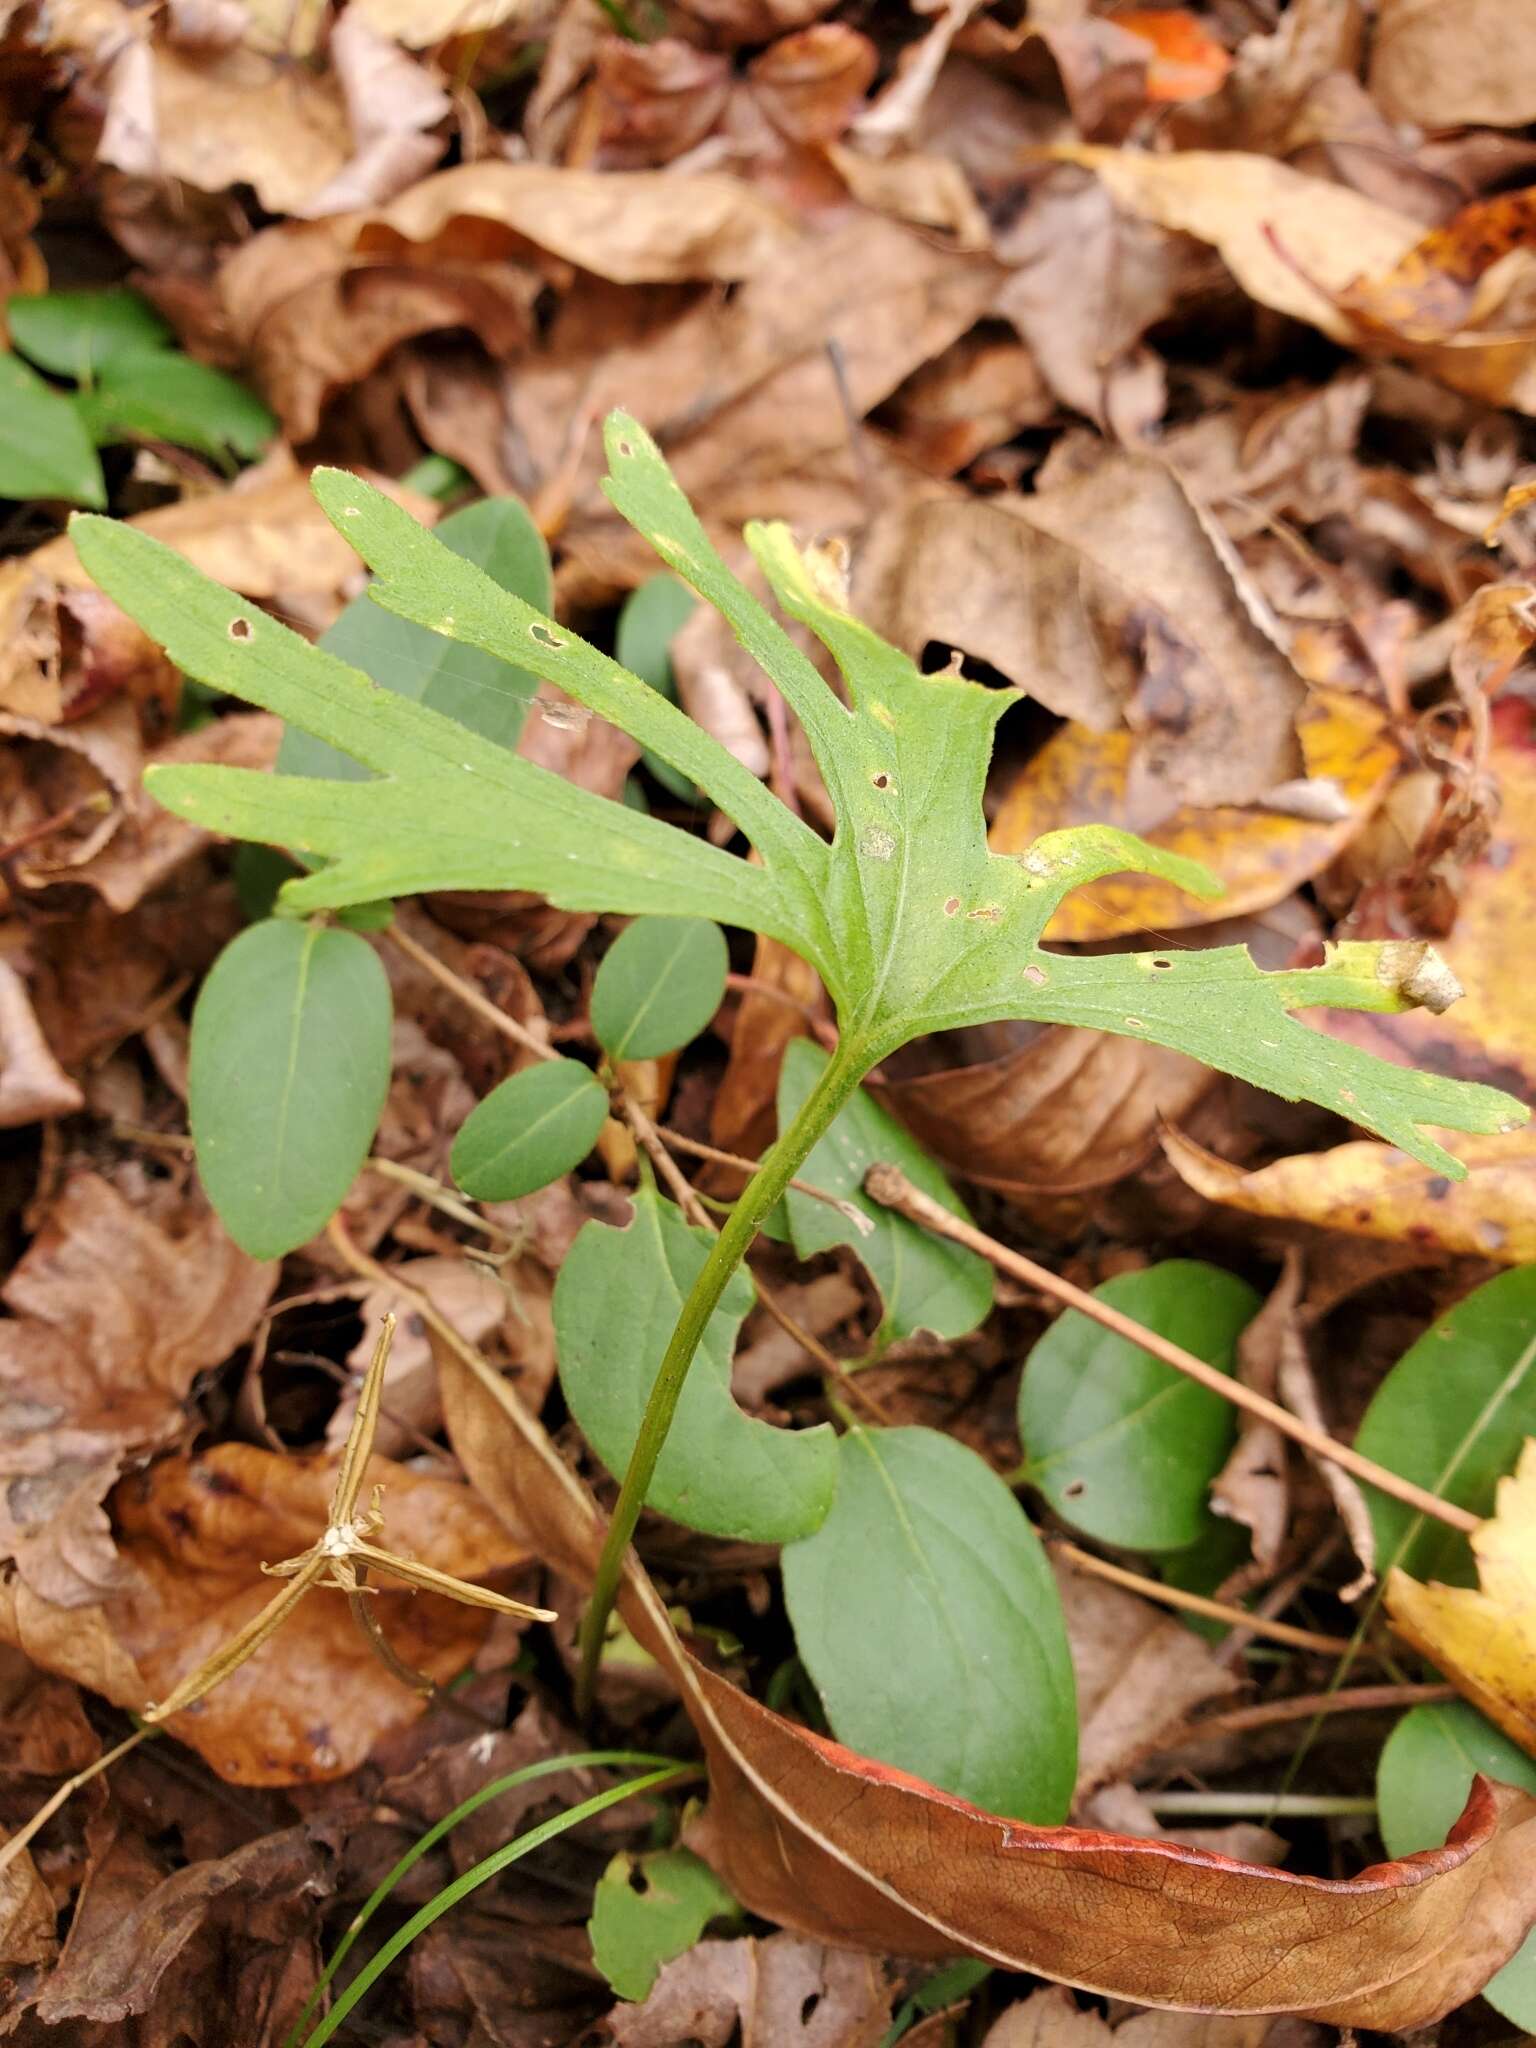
[(649, 1908), (1422, 1782), (1452, 1414), (45, 451), (158, 395), (537, 1125), (289, 1069), (926, 1613), (659, 984), (926, 1282), (651, 616), (617, 1300), (1122, 1446), (488, 695), (75, 333)]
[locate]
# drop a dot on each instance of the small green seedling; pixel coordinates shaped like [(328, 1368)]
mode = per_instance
[(132, 383), (913, 924)]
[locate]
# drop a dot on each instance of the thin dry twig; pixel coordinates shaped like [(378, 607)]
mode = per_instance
[(889, 1185), (1350, 1699), (1197, 1603), (469, 995)]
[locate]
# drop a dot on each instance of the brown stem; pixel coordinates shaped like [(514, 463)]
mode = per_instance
[(469, 995), (1196, 1603), (890, 1186), (1352, 1699)]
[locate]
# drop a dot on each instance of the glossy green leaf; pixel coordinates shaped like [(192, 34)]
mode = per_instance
[(45, 451), (480, 690), (925, 1282), (616, 1302), (914, 925), (652, 615), (158, 395), (649, 1908), (1422, 1781), (534, 1127), (74, 333), (1453, 1414), (659, 984), (289, 1068), (926, 1613), (1121, 1445)]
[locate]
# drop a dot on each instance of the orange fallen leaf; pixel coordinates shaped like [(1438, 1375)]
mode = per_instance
[(834, 1846), (1081, 777), (1430, 294), (1485, 1640), (1187, 61)]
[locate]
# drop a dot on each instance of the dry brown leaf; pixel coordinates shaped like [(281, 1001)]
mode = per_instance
[(235, 117), (313, 1701), (1262, 853), (63, 789), (33, 1086), (781, 1992), (976, 395), (1300, 244), (1139, 1673), (1485, 1641), (28, 1917), (1449, 63), (150, 844), (391, 103), (144, 1938), (1088, 278), (1106, 599), (112, 1319), (655, 100), (471, 1298), (1065, 1111), (418, 24), (929, 191), (1050, 2019), (811, 84), (831, 1845), (637, 227), (1374, 1190)]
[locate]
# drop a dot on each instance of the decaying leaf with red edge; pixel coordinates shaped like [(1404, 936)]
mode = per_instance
[(846, 1850)]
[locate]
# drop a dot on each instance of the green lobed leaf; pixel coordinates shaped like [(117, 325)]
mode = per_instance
[(659, 984), (912, 922), (534, 1127), (158, 395), (651, 616), (289, 1068), (925, 1282), (1422, 1781), (45, 451), (647, 1909), (616, 1302), (926, 1613), (488, 695), (1122, 1446), (74, 333), (1453, 1414)]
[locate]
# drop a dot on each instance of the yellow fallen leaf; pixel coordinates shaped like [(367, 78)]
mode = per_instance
[(1485, 1641), (1373, 1190)]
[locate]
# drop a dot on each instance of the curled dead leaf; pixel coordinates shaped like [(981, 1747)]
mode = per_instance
[(33, 1086)]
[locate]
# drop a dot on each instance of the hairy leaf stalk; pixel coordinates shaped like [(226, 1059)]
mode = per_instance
[(779, 1165)]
